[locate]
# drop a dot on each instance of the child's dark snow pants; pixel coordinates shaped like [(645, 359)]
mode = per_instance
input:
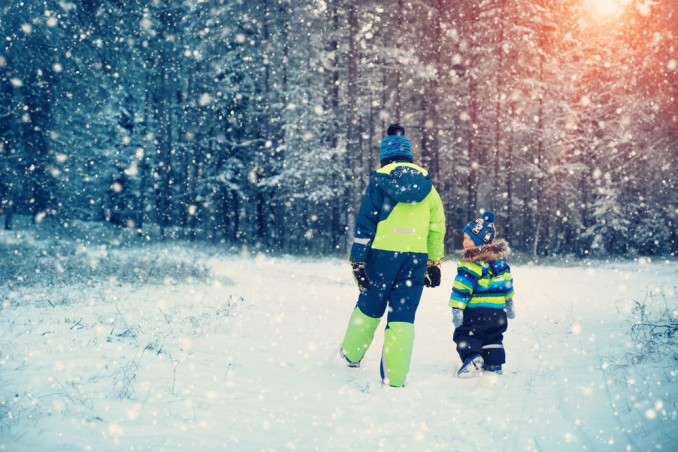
[(396, 282), (482, 332)]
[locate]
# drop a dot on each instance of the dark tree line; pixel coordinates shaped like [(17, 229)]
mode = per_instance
[(257, 122)]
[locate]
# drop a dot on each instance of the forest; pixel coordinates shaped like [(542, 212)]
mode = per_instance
[(256, 123)]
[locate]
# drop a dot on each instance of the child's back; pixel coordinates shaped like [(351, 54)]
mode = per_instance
[(481, 297), (483, 278)]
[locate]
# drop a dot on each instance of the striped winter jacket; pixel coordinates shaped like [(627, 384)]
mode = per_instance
[(483, 278)]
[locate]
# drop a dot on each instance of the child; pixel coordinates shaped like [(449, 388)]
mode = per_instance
[(481, 299)]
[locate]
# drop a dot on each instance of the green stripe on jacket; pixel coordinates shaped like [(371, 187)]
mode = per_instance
[(476, 286)]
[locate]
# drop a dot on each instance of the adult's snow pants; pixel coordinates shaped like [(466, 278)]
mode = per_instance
[(482, 332), (396, 283)]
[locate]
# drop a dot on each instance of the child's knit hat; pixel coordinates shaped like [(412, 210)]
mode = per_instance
[(481, 230), (395, 144)]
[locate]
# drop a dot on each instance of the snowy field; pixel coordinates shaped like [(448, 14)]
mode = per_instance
[(164, 347)]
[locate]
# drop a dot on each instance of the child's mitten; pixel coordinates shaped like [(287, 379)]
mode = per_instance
[(510, 311), (457, 317)]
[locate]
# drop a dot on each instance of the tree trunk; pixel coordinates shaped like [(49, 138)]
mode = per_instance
[(473, 157), (352, 187), (472, 200), (497, 123), (540, 176), (397, 108), (509, 183)]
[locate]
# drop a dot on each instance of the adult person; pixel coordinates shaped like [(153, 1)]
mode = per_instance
[(397, 249)]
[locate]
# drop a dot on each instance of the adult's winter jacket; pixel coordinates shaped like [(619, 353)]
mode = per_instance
[(401, 211)]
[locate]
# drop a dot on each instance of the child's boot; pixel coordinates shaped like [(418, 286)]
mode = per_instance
[(472, 366), (496, 368)]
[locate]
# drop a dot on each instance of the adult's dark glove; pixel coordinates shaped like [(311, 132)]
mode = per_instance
[(360, 276), (432, 278)]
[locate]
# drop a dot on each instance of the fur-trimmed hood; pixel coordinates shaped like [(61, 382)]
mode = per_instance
[(499, 249)]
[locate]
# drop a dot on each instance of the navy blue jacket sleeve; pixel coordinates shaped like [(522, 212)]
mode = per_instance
[(366, 222)]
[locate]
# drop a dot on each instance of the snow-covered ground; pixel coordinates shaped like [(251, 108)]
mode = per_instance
[(165, 347)]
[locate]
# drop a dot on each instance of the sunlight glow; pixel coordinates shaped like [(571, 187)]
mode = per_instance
[(606, 8)]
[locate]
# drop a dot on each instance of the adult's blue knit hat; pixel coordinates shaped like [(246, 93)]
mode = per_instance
[(395, 144), (481, 230)]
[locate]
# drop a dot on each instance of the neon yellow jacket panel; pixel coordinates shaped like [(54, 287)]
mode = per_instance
[(401, 211)]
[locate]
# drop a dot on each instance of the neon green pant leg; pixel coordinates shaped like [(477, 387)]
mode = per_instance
[(398, 345), (359, 335)]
